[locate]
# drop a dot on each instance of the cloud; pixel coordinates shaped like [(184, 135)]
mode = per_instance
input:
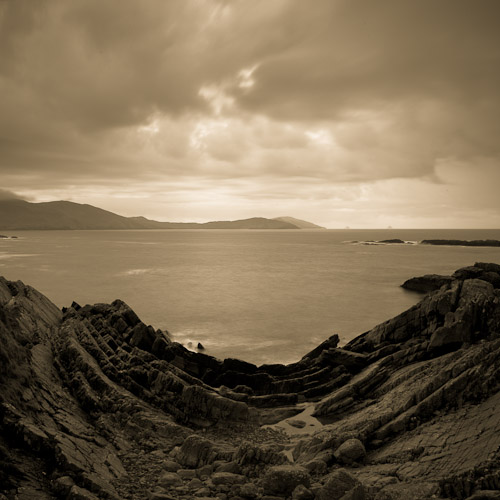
[(248, 100)]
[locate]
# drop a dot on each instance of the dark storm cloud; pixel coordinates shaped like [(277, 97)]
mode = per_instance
[(349, 54), (336, 92)]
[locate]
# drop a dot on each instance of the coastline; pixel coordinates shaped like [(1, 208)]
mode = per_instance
[(163, 411)]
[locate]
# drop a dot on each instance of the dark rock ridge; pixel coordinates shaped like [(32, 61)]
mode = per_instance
[(463, 243), (96, 404), (430, 282)]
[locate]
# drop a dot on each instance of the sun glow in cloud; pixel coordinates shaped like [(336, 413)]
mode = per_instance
[(245, 78)]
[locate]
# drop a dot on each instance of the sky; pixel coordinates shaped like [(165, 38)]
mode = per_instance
[(341, 112)]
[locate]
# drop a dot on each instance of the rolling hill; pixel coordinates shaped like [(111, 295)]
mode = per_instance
[(24, 215)]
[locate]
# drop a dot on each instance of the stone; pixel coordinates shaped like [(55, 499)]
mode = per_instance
[(485, 495), (227, 478), (283, 479), (249, 453), (350, 451), (338, 485), (249, 490), (299, 424), (233, 467), (302, 493), (77, 493), (160, 495), (171, 466), (62, 485), (195, 484), (196, 451), (168, 479), (316, 466), (186, 473)]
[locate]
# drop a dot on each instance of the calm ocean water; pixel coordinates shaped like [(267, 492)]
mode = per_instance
[(263, 296)]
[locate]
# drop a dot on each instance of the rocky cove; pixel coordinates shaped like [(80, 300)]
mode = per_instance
[(96, 404)]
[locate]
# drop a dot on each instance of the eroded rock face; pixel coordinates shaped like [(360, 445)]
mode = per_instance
[(96, 404)]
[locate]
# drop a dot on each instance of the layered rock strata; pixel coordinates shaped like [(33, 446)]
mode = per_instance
[(96, 404)]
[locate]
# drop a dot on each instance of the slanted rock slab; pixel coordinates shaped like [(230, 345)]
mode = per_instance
[(228, 478)]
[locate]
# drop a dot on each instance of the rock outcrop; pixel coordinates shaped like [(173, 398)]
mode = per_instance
[(96, 404), (463, 243)]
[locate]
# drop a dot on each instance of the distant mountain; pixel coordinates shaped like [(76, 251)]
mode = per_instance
[(20, 214), (301, 224)]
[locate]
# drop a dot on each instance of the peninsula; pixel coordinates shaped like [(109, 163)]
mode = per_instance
[(56, 215)]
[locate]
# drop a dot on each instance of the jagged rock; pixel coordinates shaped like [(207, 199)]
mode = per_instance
[(197, 451), (62, 485), (195, 484), (112, 404), (427, 283), (200, 404), (160, 494), (316, 466), (249, 490), (485, 495), (338, 485), (233, 467), (302, 493), (283, 479), (77, 493), (248, 453), (350, 451)]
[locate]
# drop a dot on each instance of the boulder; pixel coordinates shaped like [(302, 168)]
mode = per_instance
[(350, 451), (283, 479), (302, 493), (169, 479), (195, 452), (249, 490), (340, 485)]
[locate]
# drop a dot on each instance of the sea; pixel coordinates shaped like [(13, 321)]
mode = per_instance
[(262, 296)]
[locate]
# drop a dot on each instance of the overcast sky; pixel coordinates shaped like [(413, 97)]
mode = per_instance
[(356, 113)]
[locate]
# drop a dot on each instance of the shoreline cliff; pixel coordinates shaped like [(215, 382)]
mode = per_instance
[(96, 404)]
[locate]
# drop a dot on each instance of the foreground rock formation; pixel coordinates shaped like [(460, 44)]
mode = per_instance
[(96, 404)]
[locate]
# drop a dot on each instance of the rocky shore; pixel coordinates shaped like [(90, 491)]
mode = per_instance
[(96, 404)]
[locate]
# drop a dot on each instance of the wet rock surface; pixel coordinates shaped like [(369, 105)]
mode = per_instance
[(96, 404)]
